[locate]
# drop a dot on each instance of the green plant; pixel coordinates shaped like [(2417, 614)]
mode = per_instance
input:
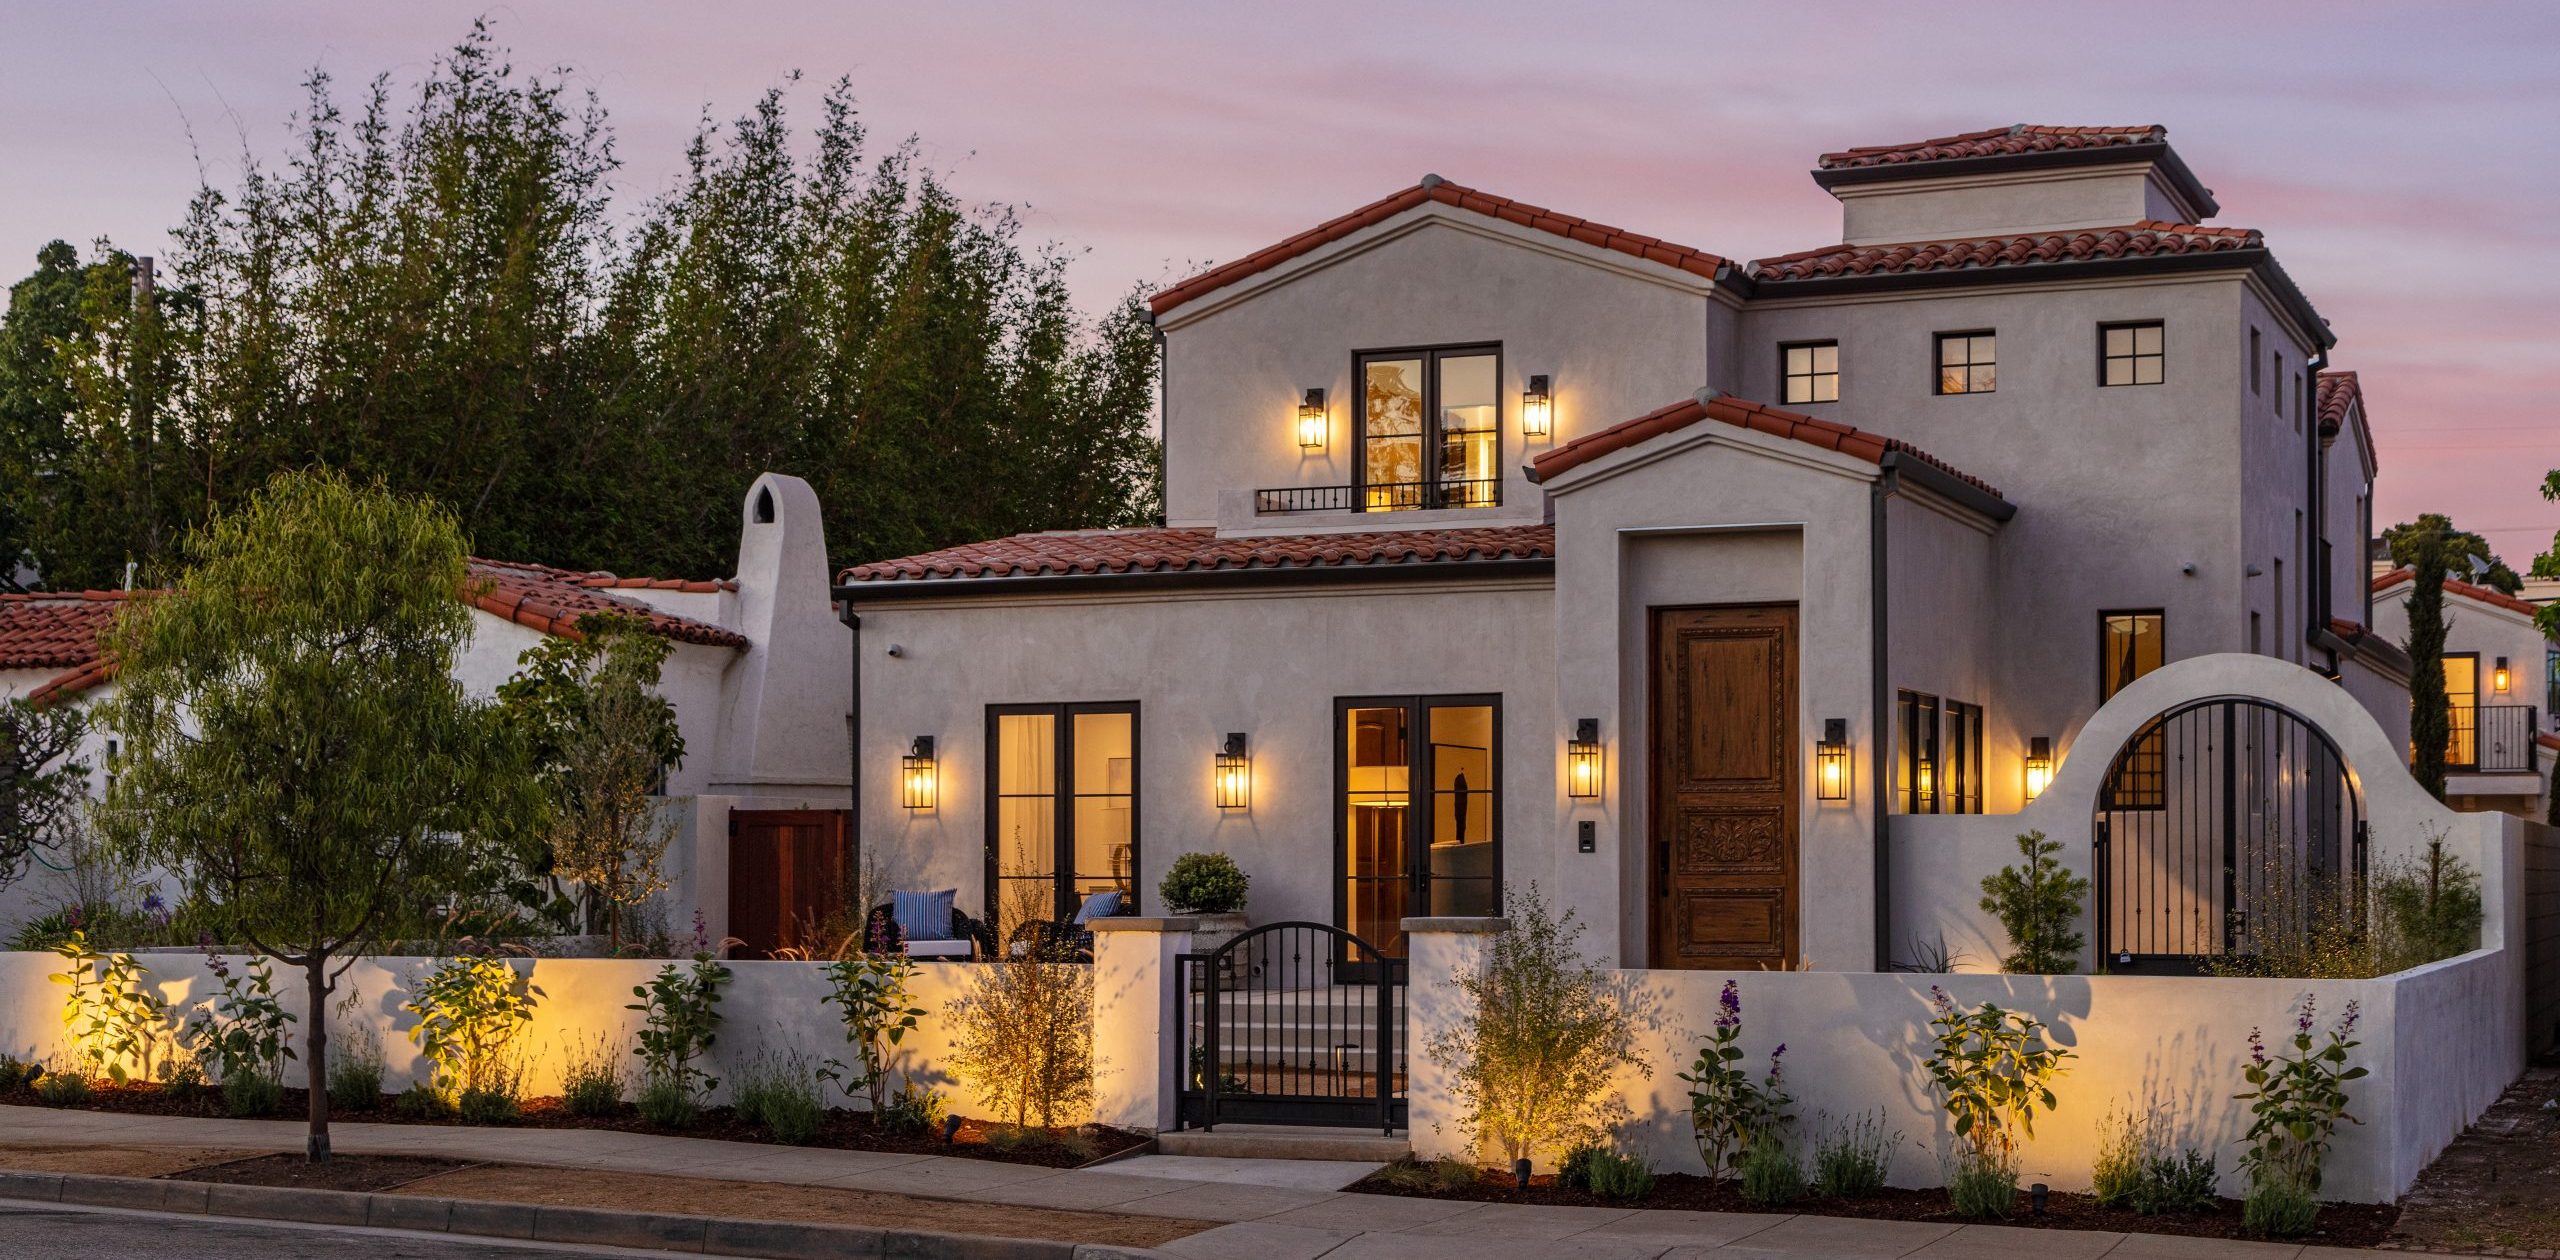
[(421, 1101), (1854, 1157), (470, 1009), (591, 1083), (869, 994), (61, 1086), (2180, 1182), (914, 1111), (1023, 1032), (1728, 1111), (249, 1092), (497, 1097), (780, 1093), (115, 1017), (1992, 1069), (1573, 1172), (1203, 883), (355, 1072), (1023, 1137), (15, 1074), (1770, 1175), (2124, 1137), (2425, 909), (2295, 1104), (1985, 1184), (2038, 904), (42, 785), (1619, 1178), (680, 1014), (667, 1103), (1532, 1057), (185, 1083), (244, 1030)]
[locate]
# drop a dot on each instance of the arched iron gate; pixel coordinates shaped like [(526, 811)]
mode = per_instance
[(2221, 822), (1293, 1023)]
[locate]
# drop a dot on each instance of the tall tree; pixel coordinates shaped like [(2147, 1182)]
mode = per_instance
[(2430, 717), (43, 785), (296, 747), (2547, 565), (2465, 556)]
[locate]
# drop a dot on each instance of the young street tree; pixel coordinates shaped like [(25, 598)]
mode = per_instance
[(42, 786), (296, 747), (602, 740)]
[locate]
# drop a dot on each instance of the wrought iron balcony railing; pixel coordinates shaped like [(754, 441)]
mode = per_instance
[(1380, 496), (2493, 739)]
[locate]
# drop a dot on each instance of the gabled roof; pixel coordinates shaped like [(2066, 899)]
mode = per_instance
[(2455, 586), (1433, 188), (2146, 239), (1070, 553), (1994, 142), (1741, 414)]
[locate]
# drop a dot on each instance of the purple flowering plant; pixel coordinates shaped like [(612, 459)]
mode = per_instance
[(1728, 1111), (2296, 1099)]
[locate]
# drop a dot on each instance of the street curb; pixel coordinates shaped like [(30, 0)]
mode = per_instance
[(594, 1227)]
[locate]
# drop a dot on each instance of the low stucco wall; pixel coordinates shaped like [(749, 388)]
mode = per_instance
[(2437, 1041)]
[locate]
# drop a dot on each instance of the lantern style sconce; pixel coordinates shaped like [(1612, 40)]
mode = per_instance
[(1537, 409), (2039, 765), (1831, 761), (1235, 774), (1311, 422), (2499, 677), (916, 774), (1582, 760)]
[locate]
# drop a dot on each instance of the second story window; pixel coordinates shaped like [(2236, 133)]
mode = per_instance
[(2129, 354), (1431, 428), (1810, 371), (1966, 362)]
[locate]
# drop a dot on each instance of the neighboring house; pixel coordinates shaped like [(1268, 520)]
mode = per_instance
[(1507, 547), (2502, 684), (767, 761)]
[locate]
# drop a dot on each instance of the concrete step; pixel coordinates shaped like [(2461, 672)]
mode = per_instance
[(1282, 1141)]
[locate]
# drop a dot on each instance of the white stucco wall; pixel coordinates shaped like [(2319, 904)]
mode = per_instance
[(2013, 201)]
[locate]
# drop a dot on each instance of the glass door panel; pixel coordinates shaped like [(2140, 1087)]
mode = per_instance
[(1105, 787), (1026, 835), (2462, 696), (1377, 799), (1391, 433), (1470, 430), (1460, 875)]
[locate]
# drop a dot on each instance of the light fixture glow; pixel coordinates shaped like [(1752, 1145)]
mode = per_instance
[(1831, 761), (1537, 409), (1311, 422), (2039, 765), (916, 774), (1234, 774), (2499, 677), (1582, 760)]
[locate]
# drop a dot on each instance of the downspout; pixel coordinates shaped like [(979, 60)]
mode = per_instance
[(1888, 483), (853, 729)]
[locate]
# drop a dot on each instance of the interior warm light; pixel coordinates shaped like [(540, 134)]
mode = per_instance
[(916, 774), (2499, 677), (1311, 422), (1831, 761), (1234, 774), (1925, 779), (2039, 765), (1582, 760), (1537, 409)]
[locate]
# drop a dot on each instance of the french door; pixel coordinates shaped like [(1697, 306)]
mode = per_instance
[(1062, 807), (1418, 828)]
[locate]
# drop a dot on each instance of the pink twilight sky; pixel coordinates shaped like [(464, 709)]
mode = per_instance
[(2401, 158)]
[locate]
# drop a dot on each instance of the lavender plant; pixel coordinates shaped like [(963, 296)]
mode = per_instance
[(1728, 1111), (2295, 1104)]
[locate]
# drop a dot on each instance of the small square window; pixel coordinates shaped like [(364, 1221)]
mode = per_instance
[(1966, 363), (1811, 372), (2129, 354)]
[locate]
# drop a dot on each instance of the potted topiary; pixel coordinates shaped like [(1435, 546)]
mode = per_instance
[(1209, 887)]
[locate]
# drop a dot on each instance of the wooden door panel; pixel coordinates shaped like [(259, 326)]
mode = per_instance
[(786, 877), (1724, 809)]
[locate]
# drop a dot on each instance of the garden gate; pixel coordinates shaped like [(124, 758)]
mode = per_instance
[(2222, 823), (1294, 1023)]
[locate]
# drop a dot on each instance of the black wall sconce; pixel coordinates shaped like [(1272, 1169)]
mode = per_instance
[(1234, 774), (1831, 761), (1582, 760), (1537, 409), (1311, 422), (2039, 765), (916, 774)]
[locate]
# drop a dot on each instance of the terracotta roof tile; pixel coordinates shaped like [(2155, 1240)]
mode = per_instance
[(1433, 188), (2339, 393), (1828, 434), (1070, 552), (2146, 239), (2454, 586), (1993, 142), (49, 630)]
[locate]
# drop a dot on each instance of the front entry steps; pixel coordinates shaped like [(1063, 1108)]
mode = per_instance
[(1281, 1141)]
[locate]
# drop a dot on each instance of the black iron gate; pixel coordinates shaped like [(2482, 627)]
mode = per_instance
[(2221, 822), (1295, 1023)]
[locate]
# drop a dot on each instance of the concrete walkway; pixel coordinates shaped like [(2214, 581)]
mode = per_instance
[(1271, 1212)]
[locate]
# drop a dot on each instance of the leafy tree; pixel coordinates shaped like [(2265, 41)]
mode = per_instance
[(2465, 556), (2039, 905), (602, 740), (2547, 565), (42, 786), (297, 749), (2430, 718)]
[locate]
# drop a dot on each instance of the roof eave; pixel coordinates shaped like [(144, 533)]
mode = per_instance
[(896, 590), (2156, 152)]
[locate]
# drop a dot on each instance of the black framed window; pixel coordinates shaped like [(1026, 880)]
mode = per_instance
[(2256, 383), (1962, 792), (1809, 372), (1430, 425), (1916, 772), (1967, 362), (1062, 806), (1418, 818), (2130, 644), (2130, 354)]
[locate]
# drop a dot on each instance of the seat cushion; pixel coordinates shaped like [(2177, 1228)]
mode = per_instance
[(938, 949), (1101, 905), (923, 916)]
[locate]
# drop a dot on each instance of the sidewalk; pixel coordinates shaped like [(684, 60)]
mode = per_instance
[(1262, 1221)]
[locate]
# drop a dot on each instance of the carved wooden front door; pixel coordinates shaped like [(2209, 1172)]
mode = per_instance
[(1723, 818)]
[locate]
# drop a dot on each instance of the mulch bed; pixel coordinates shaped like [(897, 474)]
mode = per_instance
[(362, 1174), (2341, 1224), (843, 1130)]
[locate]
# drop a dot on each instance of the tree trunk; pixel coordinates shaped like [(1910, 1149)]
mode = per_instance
[(315, 1059)]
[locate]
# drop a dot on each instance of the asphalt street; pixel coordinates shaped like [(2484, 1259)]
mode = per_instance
[(47, 1232)]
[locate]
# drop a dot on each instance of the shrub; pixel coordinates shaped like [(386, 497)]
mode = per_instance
[(355, 1070), (61, 1086), (680, 1014), (1573, 1172), (869, 994), (1532, 1058), (2180, 1182), (14, 1073), (497, 1099), (667, 1103), (914, 1111), (591, 1082), (1992, 1069), (1023, 1033), (2039, 906), (186, 1084), (244, 1030), (2124, 1138), (421, 1102), (1621, 1178), (469, 1009), (250, 1092), (2425, 909), (1770, 1175), (114, 1016), (1985, 1185), (1203, 883), (1854, 1158), (1439, 1174), (780, 1094), (1728, 1111), (2295, 1106)]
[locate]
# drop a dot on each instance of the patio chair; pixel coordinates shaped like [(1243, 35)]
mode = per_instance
[(969, 939)]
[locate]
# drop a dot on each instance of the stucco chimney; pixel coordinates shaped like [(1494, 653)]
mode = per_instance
[(787, 696)]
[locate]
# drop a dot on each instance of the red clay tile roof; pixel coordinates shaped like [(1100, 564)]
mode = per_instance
[(2339, 393), (2454, 586), (49, 630), (2149, 238), (1827, 434), (1071, 552), (1994, 142), (1433, 188), (2365, 642)]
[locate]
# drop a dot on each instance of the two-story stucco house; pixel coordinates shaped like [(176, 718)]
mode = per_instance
[(2502, 687), (1503, 546)]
